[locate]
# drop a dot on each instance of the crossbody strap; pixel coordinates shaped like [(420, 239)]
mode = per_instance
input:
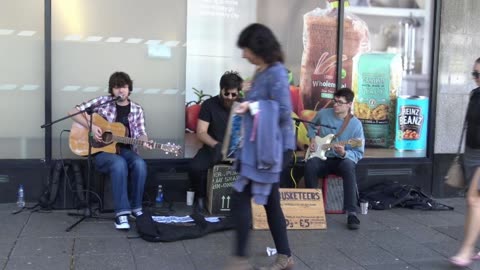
[(344, 125), (461, 137)]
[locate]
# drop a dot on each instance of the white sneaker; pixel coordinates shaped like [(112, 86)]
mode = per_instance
[(121, 223), (138, 213)]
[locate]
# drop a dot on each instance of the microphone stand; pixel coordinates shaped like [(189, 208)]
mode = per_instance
[(87, 213)]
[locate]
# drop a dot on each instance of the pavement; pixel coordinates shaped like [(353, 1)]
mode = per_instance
[(387, 240)]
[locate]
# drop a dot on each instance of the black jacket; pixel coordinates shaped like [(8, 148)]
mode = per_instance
[(473, 120)]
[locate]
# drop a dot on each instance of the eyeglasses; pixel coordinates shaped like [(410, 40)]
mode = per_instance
[(476, 74), (339, 102), (226, 94)]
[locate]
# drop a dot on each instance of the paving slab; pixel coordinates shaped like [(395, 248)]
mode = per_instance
[(39, 263), (101, 246), (42, 246), (105, 262)]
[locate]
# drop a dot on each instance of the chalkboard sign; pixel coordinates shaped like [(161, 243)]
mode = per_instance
[(302, 207), (219, 189)]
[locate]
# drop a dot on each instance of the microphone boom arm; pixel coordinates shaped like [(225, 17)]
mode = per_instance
[(298, 120)]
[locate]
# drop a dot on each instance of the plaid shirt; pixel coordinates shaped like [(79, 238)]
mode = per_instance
[(136, 118)]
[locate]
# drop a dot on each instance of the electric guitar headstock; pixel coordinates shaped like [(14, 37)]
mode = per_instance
[(355, 142), (171, 148)]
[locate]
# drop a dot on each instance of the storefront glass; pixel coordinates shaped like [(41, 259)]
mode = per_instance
[(92, 39), (171, 48), (387, 48), (22, 79)]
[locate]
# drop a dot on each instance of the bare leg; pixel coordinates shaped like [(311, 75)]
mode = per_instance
[(472, 220)]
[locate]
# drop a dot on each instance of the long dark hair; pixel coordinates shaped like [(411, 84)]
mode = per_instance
[(262, 42)]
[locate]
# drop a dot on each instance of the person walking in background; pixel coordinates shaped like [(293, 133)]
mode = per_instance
[(471, 161), (267, 143)]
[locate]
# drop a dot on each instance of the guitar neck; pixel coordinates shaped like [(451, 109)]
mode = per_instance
[(330, 145), (127, 140)]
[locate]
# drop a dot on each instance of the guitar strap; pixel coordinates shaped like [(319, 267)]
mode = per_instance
[(344, 125)]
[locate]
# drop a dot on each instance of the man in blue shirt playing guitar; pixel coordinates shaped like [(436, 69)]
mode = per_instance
[(335, 147)]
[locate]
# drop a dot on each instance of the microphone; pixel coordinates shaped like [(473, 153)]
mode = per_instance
[(308, 122), (117, 98)]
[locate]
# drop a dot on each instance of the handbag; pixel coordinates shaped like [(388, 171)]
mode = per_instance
[(455, 176)]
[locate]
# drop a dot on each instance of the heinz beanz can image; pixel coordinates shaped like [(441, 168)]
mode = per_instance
[(411, 123)]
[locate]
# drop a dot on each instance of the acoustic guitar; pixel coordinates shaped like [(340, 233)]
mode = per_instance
[(113, 133), (324, 144)]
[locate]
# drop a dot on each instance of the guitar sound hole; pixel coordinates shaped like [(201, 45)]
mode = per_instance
[(107, 137)]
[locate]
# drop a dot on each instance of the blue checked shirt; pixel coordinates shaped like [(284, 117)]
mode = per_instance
[(136, 118)]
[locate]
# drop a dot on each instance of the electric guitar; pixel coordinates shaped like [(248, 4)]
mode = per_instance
[(113, 133), (324, 144)]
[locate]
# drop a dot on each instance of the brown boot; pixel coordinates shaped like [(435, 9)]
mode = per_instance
[(238, 263), (282, 262)]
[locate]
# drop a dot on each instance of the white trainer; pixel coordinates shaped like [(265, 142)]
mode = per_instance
[(121, 223)]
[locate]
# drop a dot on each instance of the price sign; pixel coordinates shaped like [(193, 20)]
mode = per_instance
[(303, 210)]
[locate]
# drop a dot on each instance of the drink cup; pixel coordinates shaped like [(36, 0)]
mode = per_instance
[(190, 197), (364, 207)]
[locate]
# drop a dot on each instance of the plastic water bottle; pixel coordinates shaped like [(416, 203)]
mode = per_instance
[(20, 197), (159, 199)]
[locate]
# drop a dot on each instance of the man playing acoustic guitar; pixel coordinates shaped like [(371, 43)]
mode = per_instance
[(339, 157), (127, 170)]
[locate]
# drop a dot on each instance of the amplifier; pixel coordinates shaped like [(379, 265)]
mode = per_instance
[(333, 194)]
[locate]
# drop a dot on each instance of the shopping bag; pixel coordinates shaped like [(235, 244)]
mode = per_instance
[(455, 176)]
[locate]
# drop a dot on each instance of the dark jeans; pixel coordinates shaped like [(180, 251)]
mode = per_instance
[(128, 172), (316, 168), (198, 171), (242, 216)]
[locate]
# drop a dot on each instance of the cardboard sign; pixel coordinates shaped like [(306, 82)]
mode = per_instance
[(219, 189), (303, 210)]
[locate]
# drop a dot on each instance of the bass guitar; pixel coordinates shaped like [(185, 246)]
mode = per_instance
[(113, 133)]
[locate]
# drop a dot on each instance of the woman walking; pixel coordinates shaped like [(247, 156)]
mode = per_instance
[(471, 160), (268, 142)]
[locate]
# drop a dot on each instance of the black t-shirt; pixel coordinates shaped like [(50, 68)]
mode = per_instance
[(122, 117), (216, 114)]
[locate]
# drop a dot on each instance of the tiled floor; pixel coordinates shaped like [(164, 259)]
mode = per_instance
[(390, 240)]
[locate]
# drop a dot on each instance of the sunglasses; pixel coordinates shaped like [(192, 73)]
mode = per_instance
[(476, 74), (339, 102), (226, 94)]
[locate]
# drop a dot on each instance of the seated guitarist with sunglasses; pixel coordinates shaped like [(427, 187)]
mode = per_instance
[(341, 155), (211, 128), (127, 170)]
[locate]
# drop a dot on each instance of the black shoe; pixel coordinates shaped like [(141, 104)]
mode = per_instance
[(136, 214), (353, 223)]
